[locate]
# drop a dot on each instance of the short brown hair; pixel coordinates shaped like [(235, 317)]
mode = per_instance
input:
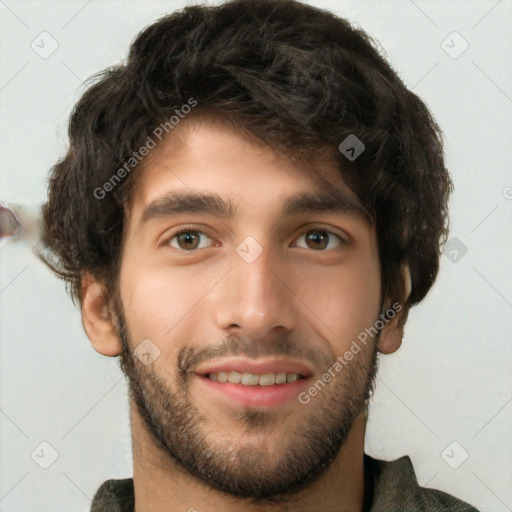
[(291, 75)]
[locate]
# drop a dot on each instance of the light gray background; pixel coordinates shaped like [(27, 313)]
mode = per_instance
[(450, 381)]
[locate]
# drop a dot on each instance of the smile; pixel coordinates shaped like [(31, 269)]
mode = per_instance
[(254, 379)]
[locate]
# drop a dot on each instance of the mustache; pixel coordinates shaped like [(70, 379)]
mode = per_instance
[(190, 357)]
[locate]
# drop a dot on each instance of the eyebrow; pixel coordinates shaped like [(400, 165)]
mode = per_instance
[(320, 201)]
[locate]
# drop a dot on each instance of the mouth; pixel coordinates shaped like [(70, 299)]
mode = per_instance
[(263, 384), (254, 379)]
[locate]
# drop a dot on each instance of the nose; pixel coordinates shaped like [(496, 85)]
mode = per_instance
[(256, 298)]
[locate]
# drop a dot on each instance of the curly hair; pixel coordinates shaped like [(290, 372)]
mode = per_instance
[(287, 74)]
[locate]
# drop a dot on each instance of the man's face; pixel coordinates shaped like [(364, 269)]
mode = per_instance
[(266, 292)]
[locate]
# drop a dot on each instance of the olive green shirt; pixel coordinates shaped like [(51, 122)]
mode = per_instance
[(392, 487)]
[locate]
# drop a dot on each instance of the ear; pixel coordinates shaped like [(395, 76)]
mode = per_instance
[(392, 333), (96, 318)]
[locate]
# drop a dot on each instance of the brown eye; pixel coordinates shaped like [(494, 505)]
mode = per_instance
[(187, 239), (318, 239)]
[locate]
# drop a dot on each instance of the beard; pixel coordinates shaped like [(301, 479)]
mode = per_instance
[(303, 445)]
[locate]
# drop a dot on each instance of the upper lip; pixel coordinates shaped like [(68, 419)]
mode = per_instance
[(244, 365)]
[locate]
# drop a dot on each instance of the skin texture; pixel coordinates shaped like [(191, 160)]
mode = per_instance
[(304, 299)]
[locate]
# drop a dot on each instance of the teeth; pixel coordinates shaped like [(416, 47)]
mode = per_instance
[(267, 379), (249, 379), (280, 378), (254, 379), (234, 377)]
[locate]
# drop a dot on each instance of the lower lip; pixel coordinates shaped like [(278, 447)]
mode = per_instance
[(258, 396)]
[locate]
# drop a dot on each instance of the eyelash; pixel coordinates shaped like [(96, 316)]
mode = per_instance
[(189, 229)]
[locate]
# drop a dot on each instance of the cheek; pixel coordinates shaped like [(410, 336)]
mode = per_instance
[(150, 304), (158, 300), (346, 299)]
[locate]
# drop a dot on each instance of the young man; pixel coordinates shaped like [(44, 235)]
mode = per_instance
[(247, 211)]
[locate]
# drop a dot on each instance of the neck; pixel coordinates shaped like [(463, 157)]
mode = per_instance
[(161, 485)]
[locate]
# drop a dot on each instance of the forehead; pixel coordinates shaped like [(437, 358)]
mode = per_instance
[(205, 166)]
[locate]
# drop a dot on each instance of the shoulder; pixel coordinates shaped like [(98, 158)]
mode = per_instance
[(114, 496), (395, 488)]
